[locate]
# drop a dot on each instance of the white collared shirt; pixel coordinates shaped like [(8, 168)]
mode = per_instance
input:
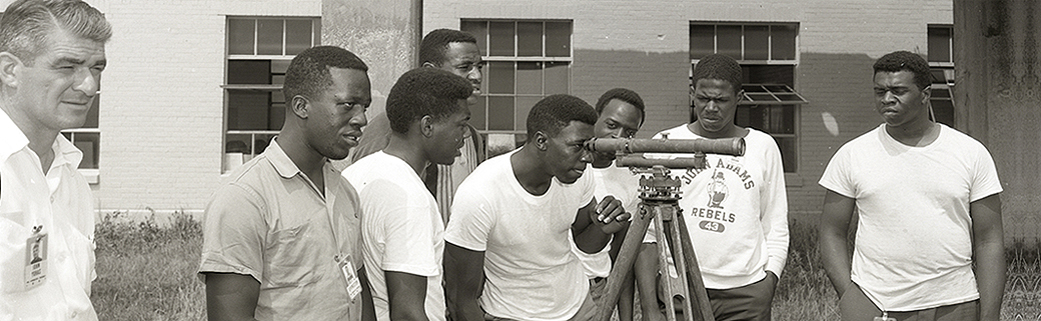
[(62, 203)]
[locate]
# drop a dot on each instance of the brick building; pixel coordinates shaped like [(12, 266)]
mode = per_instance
[(192, 86)]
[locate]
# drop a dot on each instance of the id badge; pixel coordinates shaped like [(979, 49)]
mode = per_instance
[(350, 275), (35, 260)]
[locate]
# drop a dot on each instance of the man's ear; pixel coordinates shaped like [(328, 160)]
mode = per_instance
[(300, 106), (740, 95), (426, 126), (927, 93), (541, 141), (9, 65)]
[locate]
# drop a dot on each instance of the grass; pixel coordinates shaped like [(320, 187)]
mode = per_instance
[(147, 272)]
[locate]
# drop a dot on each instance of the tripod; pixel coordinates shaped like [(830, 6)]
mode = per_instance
[(659, 195)]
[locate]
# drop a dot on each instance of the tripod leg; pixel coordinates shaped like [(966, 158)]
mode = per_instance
[(695, 283), (624, 263), (668, 283), (674, 239)]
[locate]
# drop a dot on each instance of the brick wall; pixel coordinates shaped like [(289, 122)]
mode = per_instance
[(643, 45)]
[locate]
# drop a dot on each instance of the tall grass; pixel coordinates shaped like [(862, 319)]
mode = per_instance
[(147, 272)]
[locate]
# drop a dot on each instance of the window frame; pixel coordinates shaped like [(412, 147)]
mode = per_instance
[(91, 173), (519, 131), (947, 67), (227, 87)]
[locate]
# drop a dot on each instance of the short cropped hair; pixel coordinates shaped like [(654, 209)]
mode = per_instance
[(308, 73), (622, 94), (720, 67), (435, 43), (553, 113), (905, 61), (26, 23), (424, 91)]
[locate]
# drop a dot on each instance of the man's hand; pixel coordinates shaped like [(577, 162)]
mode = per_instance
[(609, 216)]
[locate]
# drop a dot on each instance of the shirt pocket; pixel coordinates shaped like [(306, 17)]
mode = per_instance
[(293, 256)]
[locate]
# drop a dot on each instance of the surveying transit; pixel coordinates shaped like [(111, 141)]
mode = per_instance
[(659, 195)]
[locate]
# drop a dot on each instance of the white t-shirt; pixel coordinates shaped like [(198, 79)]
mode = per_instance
[(913, 246), (624, 186), (530, 270), (736, 211), (401, 229)]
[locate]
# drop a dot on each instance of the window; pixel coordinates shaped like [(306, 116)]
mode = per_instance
[(768, 54), (87, 138), (526, 61), (941, 65), (259, 52)]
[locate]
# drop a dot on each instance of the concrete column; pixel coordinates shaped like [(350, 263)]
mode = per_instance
[(384, 33), (997, 95)]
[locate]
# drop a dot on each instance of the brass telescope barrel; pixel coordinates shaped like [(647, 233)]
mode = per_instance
[(726, 146)]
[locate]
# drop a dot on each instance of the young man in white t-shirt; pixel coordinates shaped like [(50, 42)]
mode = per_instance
[(736, 209), (401, 227), (621, 115), (507, 254), (929, 242)]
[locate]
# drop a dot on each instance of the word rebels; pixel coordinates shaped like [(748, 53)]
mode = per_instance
[(712, 214)]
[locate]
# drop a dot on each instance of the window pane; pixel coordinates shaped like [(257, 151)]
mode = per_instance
[(788, 153), (556, 77), (276, 115), (702, 40), (757, 41), (238, 143), (478, 112), (89, 143), (728, 41), (782, 119), (558, 39), (479, 29), (939, 44), (768, 74), (529, 39), (240, 36), (500, 77), (943, 109), (782, 41), (298, 36), (248, 144), (500, 113), (529, 78), (269, 37), (524, 104), (500, 36), (316, 26), (249, 72), (92, 113), (248, 110)]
